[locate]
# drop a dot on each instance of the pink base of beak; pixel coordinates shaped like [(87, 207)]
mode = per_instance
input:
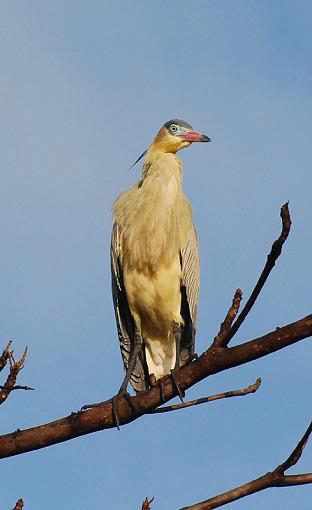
[(194, 136)]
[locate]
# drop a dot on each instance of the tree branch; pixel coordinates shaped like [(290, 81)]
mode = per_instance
[(221, 338), (15, 367), (212, 361), (275, 478), (296, 453), (275, 252), (234, 393)]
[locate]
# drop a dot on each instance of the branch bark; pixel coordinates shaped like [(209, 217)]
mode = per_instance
[(275, 478), (212, 361)]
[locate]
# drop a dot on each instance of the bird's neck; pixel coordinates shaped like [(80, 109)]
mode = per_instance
[(155, 216), (163, 167)]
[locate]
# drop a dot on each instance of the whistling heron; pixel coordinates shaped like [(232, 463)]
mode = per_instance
[(155, 264)]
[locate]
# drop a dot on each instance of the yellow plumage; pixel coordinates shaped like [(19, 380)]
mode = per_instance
[(155, 257), (154, 220)]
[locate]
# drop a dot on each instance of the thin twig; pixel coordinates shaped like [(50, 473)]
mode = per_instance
[(228, 321), (147, 504), (296, 453), (234, 393), (5, 355), (17, 387), (270, 263), (275, 478), (19, 505)]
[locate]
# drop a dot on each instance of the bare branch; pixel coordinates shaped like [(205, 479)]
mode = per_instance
[(234, 393), (212, 361), (275, 478), (5, 356), (296, 453), (18, 387), (220, 339), (290, 480), (19, 505), (272, 257), (147, 504), (15, 367)]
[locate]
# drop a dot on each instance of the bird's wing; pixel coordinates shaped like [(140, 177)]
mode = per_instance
[(189, 291), (124, 319)]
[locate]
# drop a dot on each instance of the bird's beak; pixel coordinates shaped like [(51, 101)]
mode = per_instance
[(194, 136)]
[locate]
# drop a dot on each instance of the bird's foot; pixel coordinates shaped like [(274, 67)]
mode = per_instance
[(157, 382), (152, 380), (115, 408), (162, 389), (181, 393)]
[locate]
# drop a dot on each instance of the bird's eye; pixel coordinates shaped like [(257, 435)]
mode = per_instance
[(173, 128)]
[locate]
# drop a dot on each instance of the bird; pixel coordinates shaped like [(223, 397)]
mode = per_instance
[(155, 264)]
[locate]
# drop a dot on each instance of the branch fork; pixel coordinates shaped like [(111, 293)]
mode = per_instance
[(15, 367)]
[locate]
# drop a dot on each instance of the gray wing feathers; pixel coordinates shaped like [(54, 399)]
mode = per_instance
[(124, 320), (190, 282)]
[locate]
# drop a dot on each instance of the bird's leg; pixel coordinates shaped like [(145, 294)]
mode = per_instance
[(137, 344), (177, 331), (177, 335)]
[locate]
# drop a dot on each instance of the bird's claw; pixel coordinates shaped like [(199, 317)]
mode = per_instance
[(157, 382), (87, 406), (152, 380), (194, 357), (181, 393), (114, 405), (115, 412), (91, 406), (162, 392)]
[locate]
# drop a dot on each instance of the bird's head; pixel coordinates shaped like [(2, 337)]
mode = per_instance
[(173, 136), (176, 134)]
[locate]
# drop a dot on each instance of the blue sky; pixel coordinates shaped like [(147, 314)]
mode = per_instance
[(84, 87)]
